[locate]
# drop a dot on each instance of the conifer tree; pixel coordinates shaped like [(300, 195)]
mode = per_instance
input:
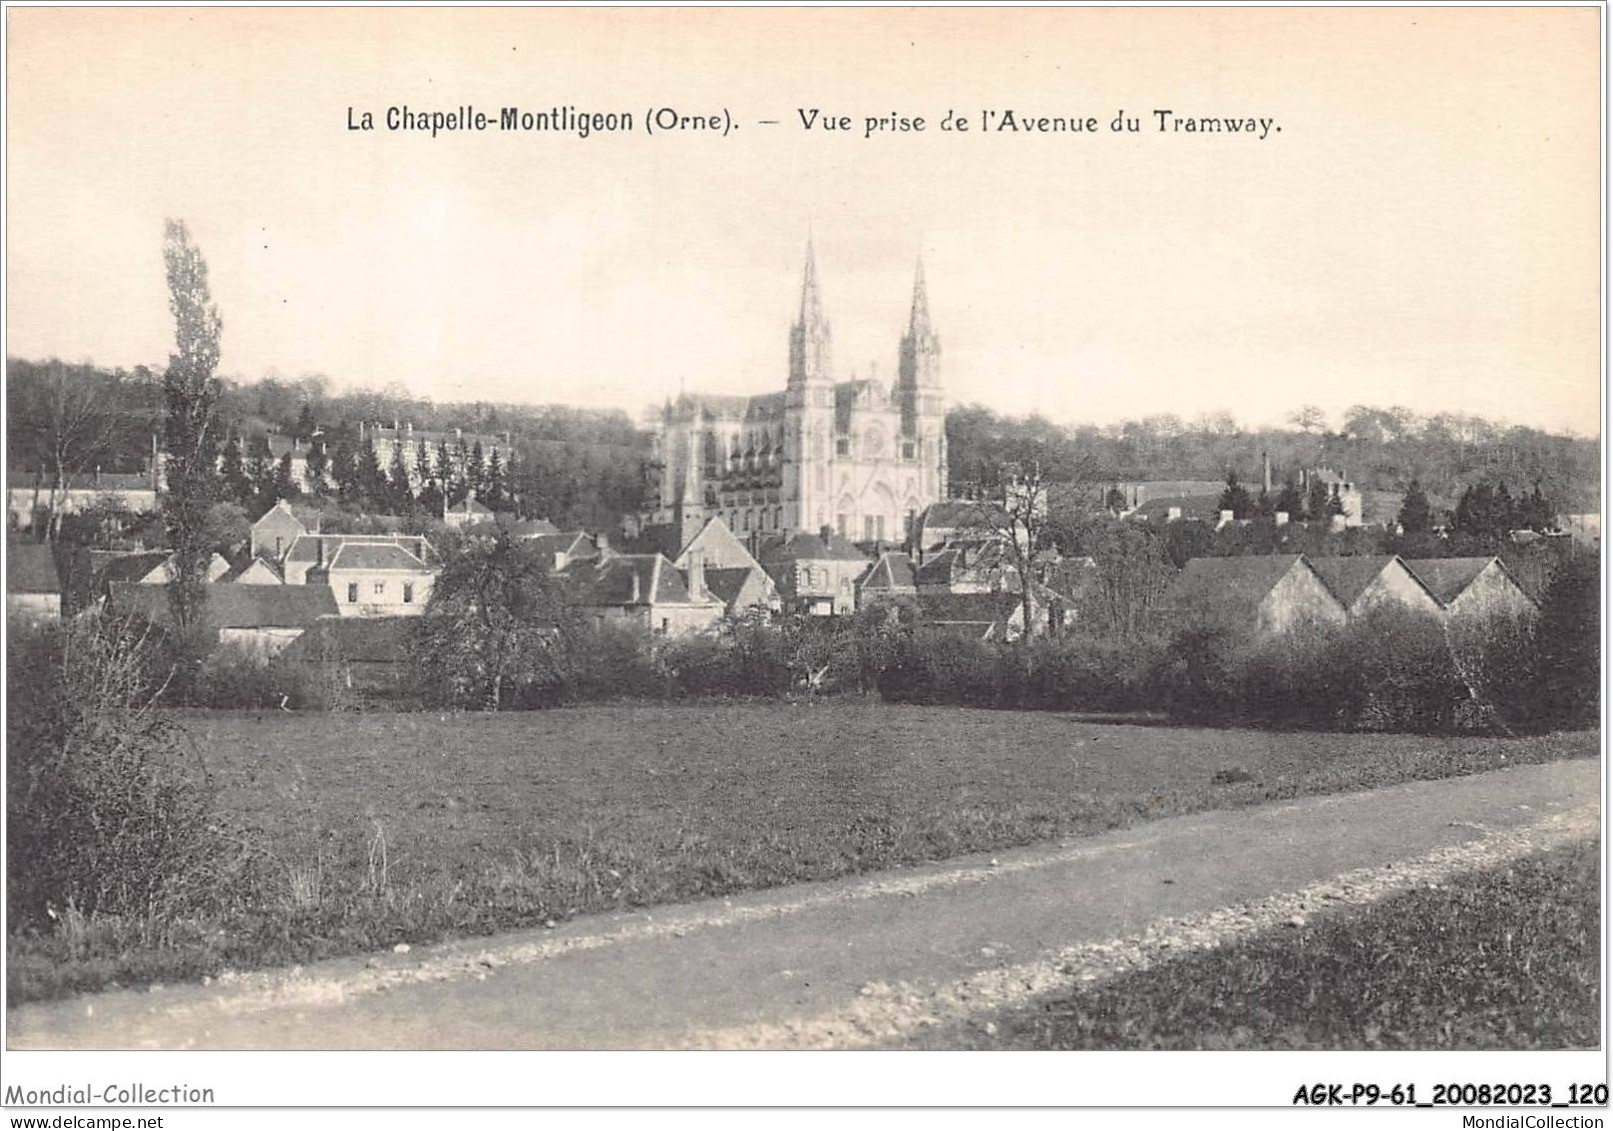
[(232, 470), (1235, 498), (318, 465), (1416, 516), (285, 482)]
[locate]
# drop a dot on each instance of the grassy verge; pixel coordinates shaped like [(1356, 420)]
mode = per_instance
[(1504, 959), (376, 829)]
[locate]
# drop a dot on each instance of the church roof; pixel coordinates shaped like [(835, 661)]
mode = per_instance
[(811, 547)]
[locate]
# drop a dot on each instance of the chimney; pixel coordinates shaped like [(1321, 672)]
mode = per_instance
[(97, 475), (1265, 472), (1337, 523), (408, 430), (319, 552), (1173, 514), (1280, 518), (602, 544), (1226, 520), (634, 598)]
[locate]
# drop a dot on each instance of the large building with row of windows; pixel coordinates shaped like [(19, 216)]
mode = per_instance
[(857, 457)]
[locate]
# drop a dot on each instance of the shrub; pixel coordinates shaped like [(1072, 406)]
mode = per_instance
[(1198, 675), (611, 662), (108, 810)]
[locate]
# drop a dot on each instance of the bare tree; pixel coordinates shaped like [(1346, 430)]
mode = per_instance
[(75, 408), (1310, 419)]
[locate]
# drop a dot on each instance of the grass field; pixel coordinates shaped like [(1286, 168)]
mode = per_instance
[(1505, 959), (386, 828)]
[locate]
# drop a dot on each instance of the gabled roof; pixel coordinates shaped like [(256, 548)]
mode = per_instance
[(611, 581), (1447, 578), (531, 528), (717, 544), (472, 506), (1232, 585), (802, 547), (31, 568), (232, 606), (246, 563), (962, 514), (133, 567), (376, 555), (938, 568), (655, 538), (575, 544), (1348, 578), (893, 571), (729, 584)]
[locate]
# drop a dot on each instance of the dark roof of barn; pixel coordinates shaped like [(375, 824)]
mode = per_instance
[(1348, 578), (1231, 584), (30, 568), (726, 584), (232, 606), (246, 562), (1446, 578)]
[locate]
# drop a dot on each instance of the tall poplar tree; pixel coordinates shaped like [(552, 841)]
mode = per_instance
[(191, 429)]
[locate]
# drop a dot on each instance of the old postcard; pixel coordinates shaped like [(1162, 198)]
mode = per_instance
[(609, 531)]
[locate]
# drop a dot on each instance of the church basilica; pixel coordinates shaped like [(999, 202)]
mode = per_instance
[(859, 457)]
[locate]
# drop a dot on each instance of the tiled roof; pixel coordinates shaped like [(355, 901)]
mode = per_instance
[(1446, 578), (1235, 585), (611, 581), (132, 567), (233, 606), (984, 609), (375, 555), (30, 568), (893, 570), (727, 585), (245, 563), (811, 547), (962, 515), (1348, 578), (531, 528), (306, 546), (558, 543)]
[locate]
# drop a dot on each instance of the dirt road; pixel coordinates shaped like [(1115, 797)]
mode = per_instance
[(865, 961)]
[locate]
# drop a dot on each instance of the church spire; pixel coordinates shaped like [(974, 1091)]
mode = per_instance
[(918, 320), (809, 337)]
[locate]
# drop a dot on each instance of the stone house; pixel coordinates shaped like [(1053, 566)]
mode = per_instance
[(33, 587), (29, 496), (1365, 583), (374, 579), (891, 577), (972, 616), (815, 573), (645, 591), (311, 550), (249, 570), (1264, 594), (279, 526), (146, 567)]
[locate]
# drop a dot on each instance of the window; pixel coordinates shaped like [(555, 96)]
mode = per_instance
[(868, 528), (842, 445), (277, 552), (352, 592), (908, 451), (840, 524), (747, 520), (408, 592), (778, 518), (380, 589), (879, 527), (907, 528), (665, 625)]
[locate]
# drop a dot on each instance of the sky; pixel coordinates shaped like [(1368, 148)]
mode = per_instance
[(1419, 227)]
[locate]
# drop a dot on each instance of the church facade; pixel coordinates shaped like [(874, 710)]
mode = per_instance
[(859, 457)]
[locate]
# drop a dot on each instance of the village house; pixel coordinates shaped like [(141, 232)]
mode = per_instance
[(279, 526), (260, 620), (311, 550), (563, 549), (645, 591), (1363, 584), (374, 579), (467, 513), (524, 528), (33, 588), (815, 573), (1266, 594), (1474, 588)]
